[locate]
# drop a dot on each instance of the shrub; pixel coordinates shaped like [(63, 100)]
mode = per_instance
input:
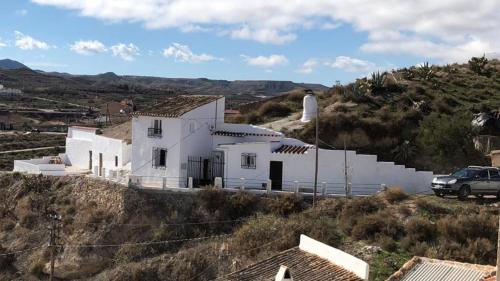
[(275, 233), (324, 229), (387, 243), (463, 227), (430, 207), (239, 205), (420, 230), (395, 194), (382, 223), (28, 220), (253, 118), (5, 260), (191, 264), (274, 109), (212, 199), (286, 205), (357, 208), (296, 97)]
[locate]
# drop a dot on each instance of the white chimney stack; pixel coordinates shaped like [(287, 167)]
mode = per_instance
[(283, 274), (310, 106)]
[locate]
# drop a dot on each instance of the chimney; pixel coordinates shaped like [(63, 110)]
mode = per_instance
[(284, 274), (310, 107)]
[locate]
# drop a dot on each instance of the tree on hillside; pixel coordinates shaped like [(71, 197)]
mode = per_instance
[(448, 142)]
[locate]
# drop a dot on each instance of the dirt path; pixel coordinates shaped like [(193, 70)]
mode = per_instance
[(291, 122)]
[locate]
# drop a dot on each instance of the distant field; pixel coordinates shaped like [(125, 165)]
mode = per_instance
[(10, 141), (7, 160)]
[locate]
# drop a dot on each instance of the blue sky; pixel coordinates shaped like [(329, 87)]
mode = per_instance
[(318, 41)]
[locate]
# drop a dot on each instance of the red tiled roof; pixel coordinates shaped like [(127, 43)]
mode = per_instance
[(176, 106), (293, 149), (242, 134), (302, 265)]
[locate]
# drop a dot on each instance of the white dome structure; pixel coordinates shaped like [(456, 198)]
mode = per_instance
[(310, 107)]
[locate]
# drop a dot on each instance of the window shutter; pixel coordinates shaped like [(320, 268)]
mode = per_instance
[(243, 160)]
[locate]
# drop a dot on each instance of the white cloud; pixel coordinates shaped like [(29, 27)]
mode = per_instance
[(267, 62), (2, 44), (126, 52), (26, 42), (88, 47), (22, 12), (308, 66), (349, 64), (462, 27), (183, 53), (263, 35)]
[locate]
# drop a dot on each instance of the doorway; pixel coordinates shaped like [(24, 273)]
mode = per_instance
[(276, 175)]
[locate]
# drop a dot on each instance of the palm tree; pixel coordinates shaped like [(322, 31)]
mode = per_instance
[(405, 152)]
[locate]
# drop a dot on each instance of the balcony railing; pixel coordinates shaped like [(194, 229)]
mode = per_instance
[(154, 132)]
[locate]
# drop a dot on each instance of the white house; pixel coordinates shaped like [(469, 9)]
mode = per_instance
[(87, 151), (184, 141), (186, 137)]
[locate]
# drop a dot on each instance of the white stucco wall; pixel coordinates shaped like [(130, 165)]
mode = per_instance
[(80, 141), (142, 149), (365, 174)]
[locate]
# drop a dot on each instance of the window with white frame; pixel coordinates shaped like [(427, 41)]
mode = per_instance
[(248, 160), (159, 158)]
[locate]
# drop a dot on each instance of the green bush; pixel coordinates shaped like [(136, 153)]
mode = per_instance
[(430, 207), (358, 208), (395, 194), (324, 229), (420, 230), (274, 109), (285, 205), (381, 223)]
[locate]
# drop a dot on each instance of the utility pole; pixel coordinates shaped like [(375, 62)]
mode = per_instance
[(54, 235), (317, 152), (346, 185), (498, 251)]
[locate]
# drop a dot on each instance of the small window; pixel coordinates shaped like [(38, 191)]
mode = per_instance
[(494, 173), (157, 124), (159, 158), (116, 161), (248, 161)]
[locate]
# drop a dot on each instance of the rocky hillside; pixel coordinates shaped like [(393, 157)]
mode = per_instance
[(109, 232), (11, 64)]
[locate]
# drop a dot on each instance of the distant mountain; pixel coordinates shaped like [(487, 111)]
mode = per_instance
[(109, 82), (11, 64)]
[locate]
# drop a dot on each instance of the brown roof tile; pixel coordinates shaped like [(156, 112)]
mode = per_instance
[(303, 267), (176, 106), (121, 132)]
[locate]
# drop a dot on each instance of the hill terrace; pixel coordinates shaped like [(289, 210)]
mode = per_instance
[(184, 143)]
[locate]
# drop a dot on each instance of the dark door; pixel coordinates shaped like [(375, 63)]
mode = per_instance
[(90, 160), (276, 175)]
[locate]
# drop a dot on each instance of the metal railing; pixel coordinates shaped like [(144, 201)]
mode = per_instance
[(154, 132)]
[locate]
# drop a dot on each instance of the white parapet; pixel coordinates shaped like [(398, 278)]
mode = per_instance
[(336, 256)]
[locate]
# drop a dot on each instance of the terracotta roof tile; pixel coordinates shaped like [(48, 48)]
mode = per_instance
[(303, 267), (176, 106)]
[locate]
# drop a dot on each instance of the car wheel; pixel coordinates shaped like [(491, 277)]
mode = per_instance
[(463, 192), (498, 195)]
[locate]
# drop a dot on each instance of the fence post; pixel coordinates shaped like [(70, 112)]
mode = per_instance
[(296, 185), (218, 182), (269, 186), (242, 185), (163, 182), (349, 190), (190, 182), (323, 188)]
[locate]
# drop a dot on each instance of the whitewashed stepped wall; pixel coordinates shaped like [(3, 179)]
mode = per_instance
[(367, 174)]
